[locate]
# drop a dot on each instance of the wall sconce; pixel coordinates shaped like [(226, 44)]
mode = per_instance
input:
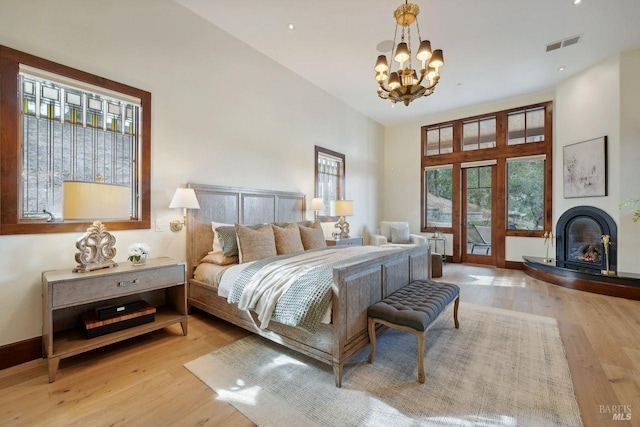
[(316, 205), (184, 198), (88, 201), (342, 208)]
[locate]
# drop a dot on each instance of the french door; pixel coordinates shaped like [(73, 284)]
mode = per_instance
[(478, 190)]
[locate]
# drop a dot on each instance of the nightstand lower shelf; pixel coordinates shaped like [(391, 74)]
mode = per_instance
[(72, 342)]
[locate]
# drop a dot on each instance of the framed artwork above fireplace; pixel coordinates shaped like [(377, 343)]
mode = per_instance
[(585, 169)]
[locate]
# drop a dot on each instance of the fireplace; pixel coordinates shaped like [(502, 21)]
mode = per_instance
[(579, 239)]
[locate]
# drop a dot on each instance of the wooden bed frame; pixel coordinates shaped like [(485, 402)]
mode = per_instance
[(356, 286)]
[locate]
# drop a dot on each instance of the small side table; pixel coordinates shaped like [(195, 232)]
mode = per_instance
[(350, 241), (437, 240)]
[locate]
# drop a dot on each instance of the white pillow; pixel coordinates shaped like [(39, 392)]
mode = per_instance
[(385, 227), (217, 247), (400, 235)]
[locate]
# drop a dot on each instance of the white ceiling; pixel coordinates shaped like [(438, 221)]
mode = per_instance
[(493, 49)]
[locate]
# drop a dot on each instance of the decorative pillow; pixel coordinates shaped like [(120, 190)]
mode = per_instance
[(312, 237), (216, 239), (385, 227), (228, 241), (255, 244), (400, 235), (287, 239), (217, 257)]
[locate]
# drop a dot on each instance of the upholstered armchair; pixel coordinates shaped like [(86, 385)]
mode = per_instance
[(396, 233)]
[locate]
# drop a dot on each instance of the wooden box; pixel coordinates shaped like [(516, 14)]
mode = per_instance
[(95, 327)]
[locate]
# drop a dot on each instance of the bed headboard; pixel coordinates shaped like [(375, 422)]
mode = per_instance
[(233, 205)]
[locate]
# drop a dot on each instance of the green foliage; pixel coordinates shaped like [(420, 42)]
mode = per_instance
[(525, 181), (439, 183), (632, 205)]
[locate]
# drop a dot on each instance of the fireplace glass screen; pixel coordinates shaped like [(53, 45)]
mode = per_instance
[(584, 241)]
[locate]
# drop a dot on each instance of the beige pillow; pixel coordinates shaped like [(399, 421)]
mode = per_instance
[(287, 239), (217, 257), (312, 237), (255, 244)]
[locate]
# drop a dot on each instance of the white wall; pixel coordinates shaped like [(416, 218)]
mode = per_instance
[(222, 114), (605, 100), (628, 248)]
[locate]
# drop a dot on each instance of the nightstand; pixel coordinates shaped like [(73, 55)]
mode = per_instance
[(350, 241), (161, 282)]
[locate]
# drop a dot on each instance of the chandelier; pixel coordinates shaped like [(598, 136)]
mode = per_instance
[(403, 85)]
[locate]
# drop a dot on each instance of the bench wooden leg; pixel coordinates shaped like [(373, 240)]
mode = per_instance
[(337, 373), (455, 312), (372, 338), (422, 338)]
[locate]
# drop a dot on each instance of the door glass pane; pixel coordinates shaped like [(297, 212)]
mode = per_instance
[(479, 210)]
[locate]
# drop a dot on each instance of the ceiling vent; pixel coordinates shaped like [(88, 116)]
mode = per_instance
[(569, 41)]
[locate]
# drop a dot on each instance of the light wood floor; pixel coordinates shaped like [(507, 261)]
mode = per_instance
[(142, 381)]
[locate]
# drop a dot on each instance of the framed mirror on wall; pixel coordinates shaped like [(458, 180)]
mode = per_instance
[(330, 179)]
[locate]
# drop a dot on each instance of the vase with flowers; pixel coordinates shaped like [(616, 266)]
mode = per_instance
[(138, 252)]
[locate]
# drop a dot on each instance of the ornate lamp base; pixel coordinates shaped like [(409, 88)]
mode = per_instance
[(343, 226), (96, 249)]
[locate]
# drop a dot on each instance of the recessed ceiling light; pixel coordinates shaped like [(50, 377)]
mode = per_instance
[(562, 68), (577, 1), (291, 27)]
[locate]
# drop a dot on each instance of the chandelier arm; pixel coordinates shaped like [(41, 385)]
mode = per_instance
[(418, 28), (410, 53), (393, 49)]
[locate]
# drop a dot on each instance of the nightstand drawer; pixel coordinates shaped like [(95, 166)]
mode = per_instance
[(96, 288), (349, 241)]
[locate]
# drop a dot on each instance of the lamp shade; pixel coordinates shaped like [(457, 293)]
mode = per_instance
[(317, 204), (95, 200), (343, 207), (184, 198)]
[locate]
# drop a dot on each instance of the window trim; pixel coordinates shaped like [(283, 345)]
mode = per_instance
[(501, 152), (10, 147)]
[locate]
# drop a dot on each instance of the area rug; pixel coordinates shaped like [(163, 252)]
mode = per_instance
[(501, 368)]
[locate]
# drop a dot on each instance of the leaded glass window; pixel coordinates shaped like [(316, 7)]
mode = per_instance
[(330, 172), (71, 132)]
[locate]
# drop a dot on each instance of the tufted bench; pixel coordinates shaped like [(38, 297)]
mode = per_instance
[(413, 308)]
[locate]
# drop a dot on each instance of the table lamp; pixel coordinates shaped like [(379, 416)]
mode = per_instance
[(343, 208), (84, 200), (316, 205), (184, 198)]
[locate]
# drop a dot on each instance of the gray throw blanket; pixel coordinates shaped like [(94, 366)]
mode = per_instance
[(294, 290)]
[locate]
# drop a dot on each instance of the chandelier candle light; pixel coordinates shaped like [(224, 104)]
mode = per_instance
[(403, 85)]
